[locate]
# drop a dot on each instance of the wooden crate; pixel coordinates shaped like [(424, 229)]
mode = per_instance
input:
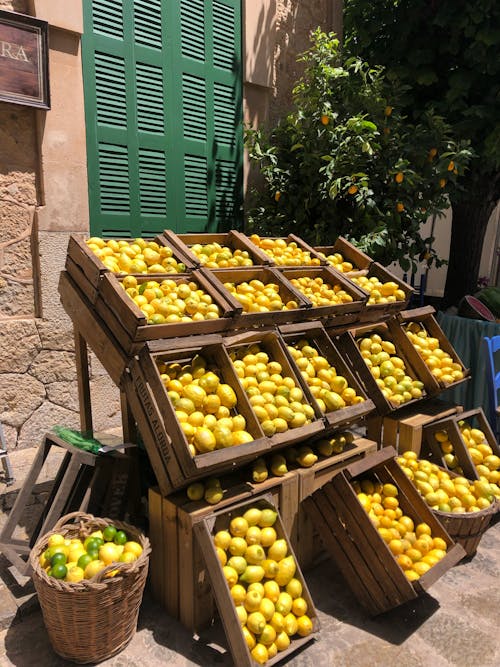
[(425, 317), (92, 328), (204, 532), (179, 576), (309, 545), (377, 312), (271, 343), (404, 429), (181, 466), (129, 324), (356, 546), (292, 238), (86, 268), (266, 274), (477, 419), (413, 363), (359, 260), (318, 338), (233, 239), (341, 313)]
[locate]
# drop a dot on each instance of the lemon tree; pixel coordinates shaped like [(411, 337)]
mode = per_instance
[(446, 59), (346, 161)]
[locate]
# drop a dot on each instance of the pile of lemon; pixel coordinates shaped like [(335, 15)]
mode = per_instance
[(441, 365), (413, 546), (169, 301), (321, 293), (443, 492), (137, 256), (258, 297), (260, 573), (277, 401), (389, 370), (83, 557), (331, 391), (204, 406), (215, 256), (379, 292), (486, 462), (283, 253), (338, 262)]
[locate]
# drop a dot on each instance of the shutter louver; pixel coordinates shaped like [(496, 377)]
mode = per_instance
[(225, 184), (108, 17), (110, 90), (224, 28), (194, 108), (193, 29), (150, 98), (114, 179), (152, 182), (147, 23), (224, 120), (195, 170)]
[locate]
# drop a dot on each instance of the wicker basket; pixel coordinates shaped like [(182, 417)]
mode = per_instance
[(467, 529), (93, 619)]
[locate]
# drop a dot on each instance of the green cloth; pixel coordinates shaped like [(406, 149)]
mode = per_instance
[(466, 335)]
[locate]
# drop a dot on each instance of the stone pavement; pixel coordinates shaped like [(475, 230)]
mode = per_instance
[(454, 625)]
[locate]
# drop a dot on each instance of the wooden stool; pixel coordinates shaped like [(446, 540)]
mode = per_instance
[(84, 481)]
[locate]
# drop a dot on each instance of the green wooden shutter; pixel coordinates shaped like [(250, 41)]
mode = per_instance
[(163, 104)]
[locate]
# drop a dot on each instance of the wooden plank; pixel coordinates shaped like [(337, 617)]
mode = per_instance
[(344, 553), (95, 332), (158, 450), (156, 560), (89, 264), (83, 382), (381, 562), (86, 286)]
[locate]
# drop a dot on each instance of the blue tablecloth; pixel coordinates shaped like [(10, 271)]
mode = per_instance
[(466, 336)]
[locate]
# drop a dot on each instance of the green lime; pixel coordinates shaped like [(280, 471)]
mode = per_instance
[(120, 537), (92, 543), (59, 571), (93, 553), (109, 533), (84, 560), (58, 559)]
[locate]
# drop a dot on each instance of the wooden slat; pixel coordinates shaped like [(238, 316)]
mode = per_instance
[(157, 565), (95, 332)]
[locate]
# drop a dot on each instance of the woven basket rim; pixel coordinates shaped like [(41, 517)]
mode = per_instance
[(89, 523), (492, 509)]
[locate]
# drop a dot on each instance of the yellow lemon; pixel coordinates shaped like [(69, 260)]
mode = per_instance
[(304, 626), (93, 568), (132, 547)]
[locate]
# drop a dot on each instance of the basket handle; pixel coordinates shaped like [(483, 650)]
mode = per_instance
[(79, 516), (121, 567)]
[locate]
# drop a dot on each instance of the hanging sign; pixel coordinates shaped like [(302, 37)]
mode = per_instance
[(24, 65)]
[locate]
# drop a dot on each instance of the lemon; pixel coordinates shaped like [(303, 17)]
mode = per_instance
[(238, 563), (268, 518), (260, 654), (75, 574), (222, 539), (294, 588), (230, 575), (109, 552), (252, 601), (282, 641), (222, 556), (241, 612), (253, 516), (256, 622), (271, 590), (204, 440), (238, 593), (195, 491), (249, 637), (304, 626), (286, 570), (252, 573), (278, 550), (255, 554), (284, 603), (55, 540), (237, 546), (93, 568), (238, 526), (132, 547), (253, 535), (267, 609), (299, 606)]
